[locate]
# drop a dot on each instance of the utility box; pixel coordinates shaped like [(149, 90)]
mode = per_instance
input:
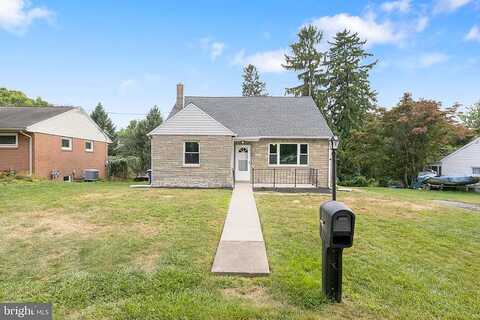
[(91, 175), (149, 174), (337, 226)]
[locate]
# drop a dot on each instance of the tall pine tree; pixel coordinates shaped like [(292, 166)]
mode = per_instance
[(307, 60), (348, 95), (252, 86), (101, 118)]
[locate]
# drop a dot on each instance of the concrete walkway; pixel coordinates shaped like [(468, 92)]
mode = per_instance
[(241, 249)]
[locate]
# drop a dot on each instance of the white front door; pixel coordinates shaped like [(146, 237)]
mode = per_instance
[(242, 163)]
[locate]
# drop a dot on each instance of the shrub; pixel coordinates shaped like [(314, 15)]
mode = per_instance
[(123, 167), (10, 176), (358, 181)]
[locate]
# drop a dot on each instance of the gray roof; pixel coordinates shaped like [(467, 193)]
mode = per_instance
[(22, 117), (264, 116)]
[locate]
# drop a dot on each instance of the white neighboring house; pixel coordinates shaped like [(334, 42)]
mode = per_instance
[(463, 162)]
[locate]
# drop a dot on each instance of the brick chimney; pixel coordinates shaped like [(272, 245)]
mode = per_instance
[(180, 99)]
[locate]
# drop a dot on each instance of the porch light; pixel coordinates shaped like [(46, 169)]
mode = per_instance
[(334, 141)]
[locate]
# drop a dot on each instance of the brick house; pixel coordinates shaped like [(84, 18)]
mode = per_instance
[(51, 142), (212, 142)]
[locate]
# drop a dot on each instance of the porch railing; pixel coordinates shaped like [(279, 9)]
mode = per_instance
[(285, 177)]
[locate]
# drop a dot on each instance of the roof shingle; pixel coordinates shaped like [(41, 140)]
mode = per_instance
[(264, 116), (23, 117)]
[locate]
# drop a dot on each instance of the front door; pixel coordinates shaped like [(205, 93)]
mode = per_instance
[(242, 165)]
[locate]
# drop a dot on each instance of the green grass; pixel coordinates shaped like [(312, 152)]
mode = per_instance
[(418, 195), (105, 251)]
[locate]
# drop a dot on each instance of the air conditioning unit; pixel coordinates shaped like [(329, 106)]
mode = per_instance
[(90, 174)]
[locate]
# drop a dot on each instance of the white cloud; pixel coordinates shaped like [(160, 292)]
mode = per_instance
[(443, 6), (127, 85), (422, 23), (214, 48), (473, 34), (17, 15), (432, 58), (367, 28), (268, 61), (399, 5)]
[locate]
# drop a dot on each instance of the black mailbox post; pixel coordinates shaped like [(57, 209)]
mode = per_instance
[(337, 224)]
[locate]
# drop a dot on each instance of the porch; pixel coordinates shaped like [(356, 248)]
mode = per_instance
[(287, 179), (286, 165)]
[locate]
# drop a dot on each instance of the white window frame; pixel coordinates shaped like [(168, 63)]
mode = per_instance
[(279, 152), (91, 143), (473, 171), (276, 153), (185, 151), (70, 142), (11, 146)]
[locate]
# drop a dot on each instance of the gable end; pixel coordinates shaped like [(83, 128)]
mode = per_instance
[(191, 120), (75, 123)]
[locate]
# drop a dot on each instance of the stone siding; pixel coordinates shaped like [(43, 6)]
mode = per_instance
[(214, 171)]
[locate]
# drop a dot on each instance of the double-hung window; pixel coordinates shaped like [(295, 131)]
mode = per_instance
[(476, 171), (8, 140), (88, 146), (288, 154), (191, 155), (67, 144)]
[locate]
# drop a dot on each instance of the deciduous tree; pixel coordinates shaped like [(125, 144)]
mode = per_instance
[(472, 118), (394, 145), (134, 140), (14, 98), (363, 154), (419, 133)]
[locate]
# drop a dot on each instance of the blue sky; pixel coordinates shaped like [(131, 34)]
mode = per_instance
[(130, 54)]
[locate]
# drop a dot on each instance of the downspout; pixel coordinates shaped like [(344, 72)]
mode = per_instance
[(105, 165), (234, 163), (30, 155)]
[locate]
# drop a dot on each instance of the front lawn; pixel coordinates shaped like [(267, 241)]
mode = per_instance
[(105, 251)]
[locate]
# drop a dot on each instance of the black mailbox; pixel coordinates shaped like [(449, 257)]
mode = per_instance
[(337, 224)]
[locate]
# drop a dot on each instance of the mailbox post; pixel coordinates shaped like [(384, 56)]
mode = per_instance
[(334, 146), (337, 224)]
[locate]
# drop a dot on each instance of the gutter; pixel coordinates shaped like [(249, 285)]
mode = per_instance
[(11, 129), (240, 138), (30, 155)]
